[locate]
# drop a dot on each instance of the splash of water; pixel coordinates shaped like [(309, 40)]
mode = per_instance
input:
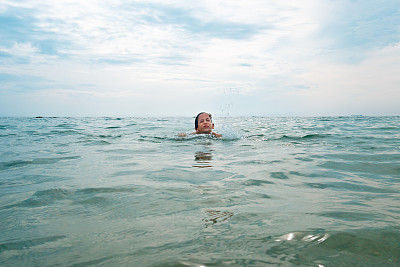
[(228, 133)]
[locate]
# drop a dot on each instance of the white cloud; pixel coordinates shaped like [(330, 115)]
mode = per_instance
[(20, 49), (364, 87), (282, 51)]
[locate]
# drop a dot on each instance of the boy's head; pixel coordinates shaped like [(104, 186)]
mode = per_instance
[(203, 123)]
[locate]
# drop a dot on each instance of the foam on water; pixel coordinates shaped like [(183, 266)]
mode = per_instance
[(228, 133)]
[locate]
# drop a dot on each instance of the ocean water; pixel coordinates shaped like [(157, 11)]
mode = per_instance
[(321, 191)]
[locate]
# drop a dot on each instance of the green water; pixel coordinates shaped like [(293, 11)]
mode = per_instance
[(129, 192)]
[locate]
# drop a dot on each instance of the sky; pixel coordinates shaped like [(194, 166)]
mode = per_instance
[(179, 57)]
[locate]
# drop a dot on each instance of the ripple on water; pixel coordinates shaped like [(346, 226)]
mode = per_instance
[(352, 187), (35, 161), (65, 132), (30, 179), (26, 244), (374, 247), (256, 182), (349, 216), (51, 196), (279, 175), (318, 201), (216, 216), (364, 167), (303, 137)]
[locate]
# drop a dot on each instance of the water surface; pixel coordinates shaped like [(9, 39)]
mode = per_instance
[(318, 191)]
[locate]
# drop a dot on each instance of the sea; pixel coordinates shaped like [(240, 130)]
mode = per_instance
[(273, 191)]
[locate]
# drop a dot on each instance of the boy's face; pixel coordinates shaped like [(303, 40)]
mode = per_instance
[(205, 125)]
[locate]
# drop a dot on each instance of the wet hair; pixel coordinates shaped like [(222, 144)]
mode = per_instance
[(196, 121)]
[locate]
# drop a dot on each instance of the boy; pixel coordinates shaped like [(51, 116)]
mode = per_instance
[(203, 125)]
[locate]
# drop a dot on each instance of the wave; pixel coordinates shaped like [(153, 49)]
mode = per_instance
[(216, 216), (66, 126), (256, 182), (352, 187), (304, 137), (383, 168), (37, 161), (349, 216), (65, 132), (25, 244), (7, 135), (96, 190), (80, 196), (92, 142), (284, 137), (372, 247), (30, 179)]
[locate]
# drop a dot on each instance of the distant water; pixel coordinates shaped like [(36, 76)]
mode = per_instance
[(319, 191)]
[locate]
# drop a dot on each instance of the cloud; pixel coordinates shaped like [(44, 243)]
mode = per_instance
[(361, 25), (363, 88), (292, 58)]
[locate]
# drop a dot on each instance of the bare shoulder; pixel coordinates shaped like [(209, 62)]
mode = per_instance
[(185, 134), (216, 135)]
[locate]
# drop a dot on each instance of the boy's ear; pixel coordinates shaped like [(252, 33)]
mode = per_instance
[(213, 125)]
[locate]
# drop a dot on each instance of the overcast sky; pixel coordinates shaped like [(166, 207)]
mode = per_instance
[(180, 57)]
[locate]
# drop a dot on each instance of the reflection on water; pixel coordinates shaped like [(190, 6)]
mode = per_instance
[(202, 159), (217, 216), (296, 236)]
